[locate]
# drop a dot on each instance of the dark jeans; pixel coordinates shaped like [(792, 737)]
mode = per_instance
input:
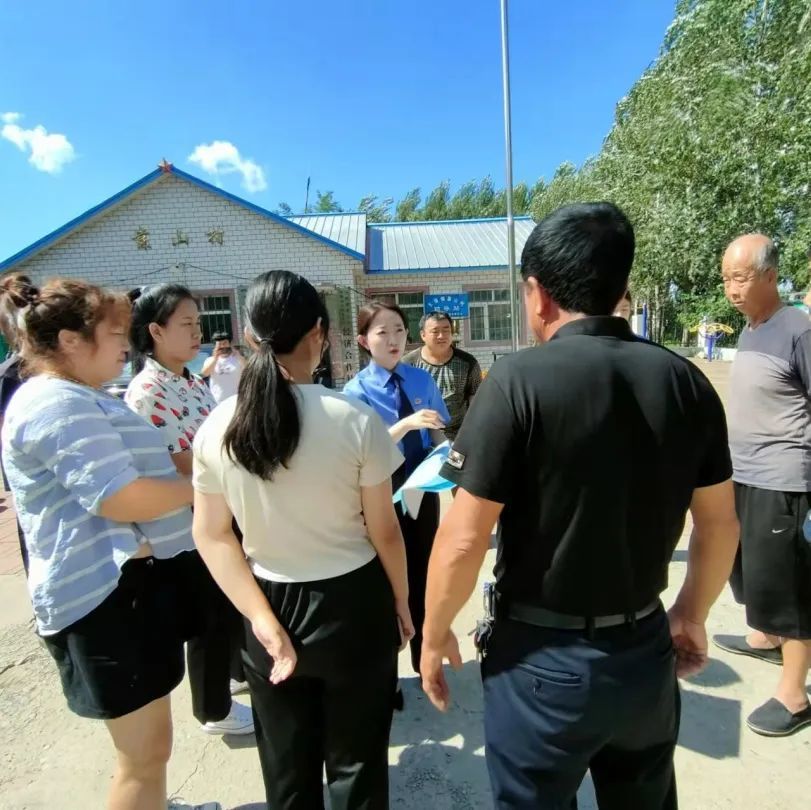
[(419, 540), (335, 711), (558, 703)]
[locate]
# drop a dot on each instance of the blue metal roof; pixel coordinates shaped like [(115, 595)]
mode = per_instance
[(348, 229), (154, 176), (467, 244)]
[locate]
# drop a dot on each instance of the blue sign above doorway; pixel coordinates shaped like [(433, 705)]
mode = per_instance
[(455, 304)]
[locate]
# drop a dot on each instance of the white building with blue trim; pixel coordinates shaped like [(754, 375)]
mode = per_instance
[(171, 226)]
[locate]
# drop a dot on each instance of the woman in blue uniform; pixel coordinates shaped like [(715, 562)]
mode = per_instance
[(412, 407)]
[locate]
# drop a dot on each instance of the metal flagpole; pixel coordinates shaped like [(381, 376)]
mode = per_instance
[(508, 146)]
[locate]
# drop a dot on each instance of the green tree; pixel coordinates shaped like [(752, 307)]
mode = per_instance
[(376, 210), (437, 204), (325, 203), (407, 209)]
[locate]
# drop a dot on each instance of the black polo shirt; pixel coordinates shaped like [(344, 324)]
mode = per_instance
[(594, 443)]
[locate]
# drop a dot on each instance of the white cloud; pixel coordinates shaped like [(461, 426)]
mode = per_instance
[(47, 151), (222, 157)]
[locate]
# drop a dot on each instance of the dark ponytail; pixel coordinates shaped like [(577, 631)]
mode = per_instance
[(155, 305), (17, 291), (281, 308)]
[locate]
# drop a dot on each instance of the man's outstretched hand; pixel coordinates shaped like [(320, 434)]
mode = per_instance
[(433, 672)]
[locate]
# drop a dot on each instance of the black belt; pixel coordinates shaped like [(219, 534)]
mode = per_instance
[(541, 617)]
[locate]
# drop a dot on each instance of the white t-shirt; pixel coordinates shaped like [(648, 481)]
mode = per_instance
[(307, 523), (225, 377)]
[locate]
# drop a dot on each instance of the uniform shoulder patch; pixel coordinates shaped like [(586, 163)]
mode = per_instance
[(456, 459)]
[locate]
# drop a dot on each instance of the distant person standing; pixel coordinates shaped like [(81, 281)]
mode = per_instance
[(624, 308), (224, 368), (770, 440), (456, 373)]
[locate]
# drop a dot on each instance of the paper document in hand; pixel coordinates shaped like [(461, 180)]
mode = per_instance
[(425, 478)]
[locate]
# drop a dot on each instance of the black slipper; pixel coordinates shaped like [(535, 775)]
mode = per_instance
[(773, 719), (738, 645)]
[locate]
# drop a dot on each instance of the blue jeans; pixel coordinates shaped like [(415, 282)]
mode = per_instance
[(558, 702)]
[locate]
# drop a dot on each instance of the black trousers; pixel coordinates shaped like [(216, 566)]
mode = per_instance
[(772, 571), (335, 711), (215, 635), (557, 703), (419, 540)]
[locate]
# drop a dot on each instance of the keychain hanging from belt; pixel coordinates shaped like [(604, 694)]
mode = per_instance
[(484, 627)]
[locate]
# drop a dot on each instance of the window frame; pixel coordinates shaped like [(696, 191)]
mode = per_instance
[(230, 314), (488, 342)]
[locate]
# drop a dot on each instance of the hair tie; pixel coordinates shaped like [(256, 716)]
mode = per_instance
[(31, 296), (135, 294)]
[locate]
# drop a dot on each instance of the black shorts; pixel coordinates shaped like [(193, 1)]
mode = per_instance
[(129, 650), (772, 572)]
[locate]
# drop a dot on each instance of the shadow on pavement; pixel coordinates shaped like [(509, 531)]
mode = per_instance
[(236, 742), (716, 673), (710, 725), (441, 765)]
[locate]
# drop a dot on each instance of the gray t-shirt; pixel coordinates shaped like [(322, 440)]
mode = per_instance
[(769, 410)]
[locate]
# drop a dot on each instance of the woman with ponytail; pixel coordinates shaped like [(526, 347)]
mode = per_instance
[(322, 578)]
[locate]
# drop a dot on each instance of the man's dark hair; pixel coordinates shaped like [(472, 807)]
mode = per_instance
[(435, 316), (581, 255), (217, 336)]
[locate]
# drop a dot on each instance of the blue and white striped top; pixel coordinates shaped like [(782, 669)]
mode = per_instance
[(66, 449)]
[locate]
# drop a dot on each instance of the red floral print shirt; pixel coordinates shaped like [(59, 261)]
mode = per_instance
[(176, 405)]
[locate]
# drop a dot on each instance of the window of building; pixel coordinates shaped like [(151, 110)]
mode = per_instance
[(215, 315), (490, 316), (412, 305)]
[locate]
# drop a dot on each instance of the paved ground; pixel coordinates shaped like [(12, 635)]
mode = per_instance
[(51, 759)]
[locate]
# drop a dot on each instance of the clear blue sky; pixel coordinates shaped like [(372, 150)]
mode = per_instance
[(364, 96)]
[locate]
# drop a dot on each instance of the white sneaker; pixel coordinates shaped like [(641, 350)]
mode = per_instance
[(238, 687), (239, 721)]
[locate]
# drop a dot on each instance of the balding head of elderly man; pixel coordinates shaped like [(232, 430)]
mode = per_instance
[(749, 270)]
